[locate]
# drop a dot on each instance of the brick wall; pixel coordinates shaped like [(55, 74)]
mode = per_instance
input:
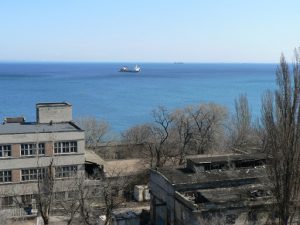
[(15, 150), (16, 175), (49, 149)]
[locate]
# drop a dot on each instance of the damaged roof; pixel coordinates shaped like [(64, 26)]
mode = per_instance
[(200, 159), (184, 176)]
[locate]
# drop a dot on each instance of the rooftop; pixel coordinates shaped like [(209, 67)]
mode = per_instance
[(201, 159), (52, 104), (217, 198), (183, 177), (92, 157), (27, 127), (208, 170)]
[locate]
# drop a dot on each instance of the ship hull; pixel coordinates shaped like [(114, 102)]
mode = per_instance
[(129, 71)]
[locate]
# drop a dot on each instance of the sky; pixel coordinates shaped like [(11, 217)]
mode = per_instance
[(223, 31)]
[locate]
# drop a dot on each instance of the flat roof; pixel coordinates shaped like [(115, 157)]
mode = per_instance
[(225, 158), (241, 196), (186, 177), (225, 195), (27, 127), (52, 104)]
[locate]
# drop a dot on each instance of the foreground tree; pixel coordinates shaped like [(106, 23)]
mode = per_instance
[(78, 206), (281, 123), (45, 191), (111, 190)]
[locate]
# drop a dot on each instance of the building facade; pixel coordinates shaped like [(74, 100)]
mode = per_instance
[(28, 148)]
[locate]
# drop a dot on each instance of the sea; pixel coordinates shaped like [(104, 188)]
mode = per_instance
[(127, 99)]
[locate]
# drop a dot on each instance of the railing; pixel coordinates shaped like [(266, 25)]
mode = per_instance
[(17, 212)]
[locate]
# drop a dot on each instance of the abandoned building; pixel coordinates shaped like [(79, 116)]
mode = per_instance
[(225, 187), (27, 148)]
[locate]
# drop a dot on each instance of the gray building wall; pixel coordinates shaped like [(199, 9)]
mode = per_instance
[(162, 200), (55, 112)]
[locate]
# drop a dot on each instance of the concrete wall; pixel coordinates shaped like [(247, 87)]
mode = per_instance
[(26, 188), (162, 200), (16, 162), (62, 113), (183, 215), (34, 162), (42, 137)]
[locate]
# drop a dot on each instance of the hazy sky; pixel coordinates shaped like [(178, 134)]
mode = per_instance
[(148, 30)]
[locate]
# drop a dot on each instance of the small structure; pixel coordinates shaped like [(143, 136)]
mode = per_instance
[(57, 112)]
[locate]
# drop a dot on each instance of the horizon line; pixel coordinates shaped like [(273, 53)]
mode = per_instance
[(131, 62)]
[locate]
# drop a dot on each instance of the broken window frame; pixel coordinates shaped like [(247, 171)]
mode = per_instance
[(66, 171)]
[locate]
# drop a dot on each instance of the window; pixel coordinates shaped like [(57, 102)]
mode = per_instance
[(30, 149), (5, 150), (59, 195), (27, 199), (41, 148), (33, 174), (5, 176), (65, 147), (8, 201), (65, 171), (72, 194)]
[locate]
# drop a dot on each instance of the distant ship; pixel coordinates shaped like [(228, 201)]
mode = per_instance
[(136, 69)]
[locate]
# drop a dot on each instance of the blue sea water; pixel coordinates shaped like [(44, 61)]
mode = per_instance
[(125, 99)]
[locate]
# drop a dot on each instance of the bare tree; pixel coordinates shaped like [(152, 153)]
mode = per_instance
[(95, 131), (153, 137), (194, 129), (160, 133), (139, 138), (78, 206), (208, 126), (242, 133), (106, 192), (70, 208), (281, 123), (111, 190), (181, 132), (45, 191)]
